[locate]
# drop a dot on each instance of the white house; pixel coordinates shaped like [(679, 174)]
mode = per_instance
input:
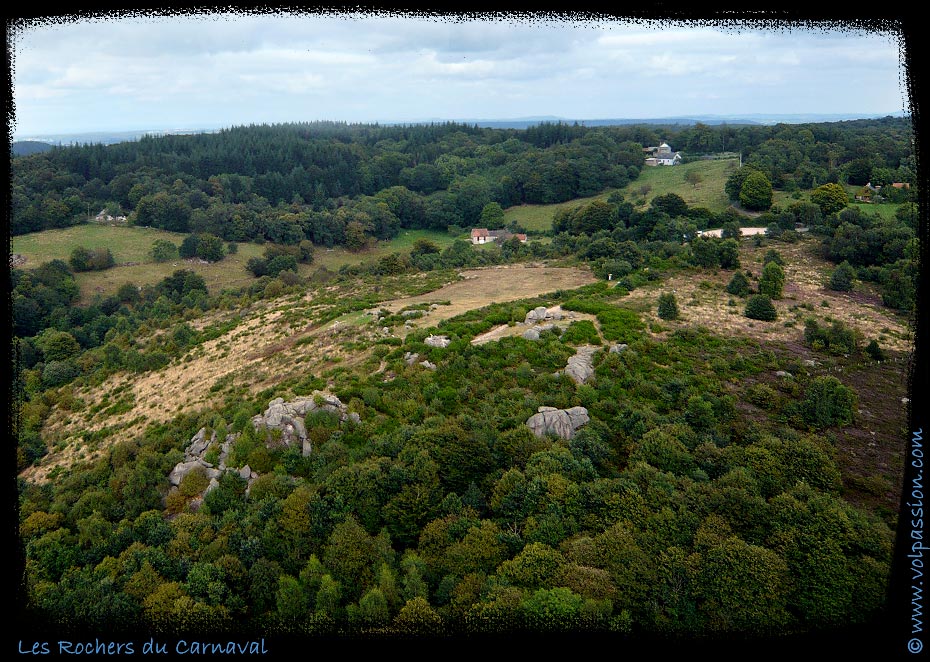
[(664, 156), (483, 236)]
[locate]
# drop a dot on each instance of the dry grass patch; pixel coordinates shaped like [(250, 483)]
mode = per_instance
[(805, 275), (481, 287)]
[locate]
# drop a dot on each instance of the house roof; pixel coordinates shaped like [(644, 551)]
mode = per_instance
[(479, 232), (668, 157)]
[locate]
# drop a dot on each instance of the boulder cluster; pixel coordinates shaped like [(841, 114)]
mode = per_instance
[(195, 457), (561, 422), (288, 417)]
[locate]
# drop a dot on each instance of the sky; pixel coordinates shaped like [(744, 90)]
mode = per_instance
[(179, 72)]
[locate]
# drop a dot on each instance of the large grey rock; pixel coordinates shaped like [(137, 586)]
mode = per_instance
[(199, 442), (561, 422), (437, 341), (411, 357), (288, 417), (428, 365), (531, 334), (180, 470), (581, 366), (618, 349), (246, 472), (538, 314), (782, 373)]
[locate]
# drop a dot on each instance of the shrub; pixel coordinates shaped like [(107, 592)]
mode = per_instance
[(759, 307), (827, 402), (831, 198), (728, 254), (842, 278), (163, 251), (96, 259), (838, 339), (582, 332), (668, 306), (739, 285), (756, 192), (874, 351), (771, 255), (772, 280)]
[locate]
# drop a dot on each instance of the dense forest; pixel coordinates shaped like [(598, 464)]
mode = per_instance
[(702, 496), (287, 183)]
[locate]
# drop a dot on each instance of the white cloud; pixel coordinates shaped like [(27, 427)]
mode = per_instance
[(369, 67)]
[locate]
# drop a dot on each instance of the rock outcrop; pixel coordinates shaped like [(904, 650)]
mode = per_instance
[(195, 457), (541, 314), (618, 349), (533, 333), (561, 422), (437, 341), (288, 417), (581, 366)]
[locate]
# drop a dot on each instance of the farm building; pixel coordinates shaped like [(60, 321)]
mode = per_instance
[(664, 155), (483, 236)]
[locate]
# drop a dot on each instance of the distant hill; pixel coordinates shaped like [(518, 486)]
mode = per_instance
[(26, 147), (689, 120), (106, 137)]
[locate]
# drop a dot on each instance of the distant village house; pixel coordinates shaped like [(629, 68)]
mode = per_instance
[(662, 155), (483, 236), (869, 193)]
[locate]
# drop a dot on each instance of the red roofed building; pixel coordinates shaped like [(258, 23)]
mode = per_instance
[(483, 236)]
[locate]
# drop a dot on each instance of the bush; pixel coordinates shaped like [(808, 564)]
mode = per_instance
[(759, 307), (874, 351), (582, 332), (772, 280), (771, 255), (96, 259), (827, 402), (842, 278), (57, 373), (831, 198), (163, 251), (210, 248), (189, 246), (258, 266), (668, 306), (838, 339), (756, 192), (728, 254), (739, 285)]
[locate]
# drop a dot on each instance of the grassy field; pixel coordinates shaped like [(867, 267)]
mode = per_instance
[(539, 217), (660, 180), (130, 247), (708, 193)]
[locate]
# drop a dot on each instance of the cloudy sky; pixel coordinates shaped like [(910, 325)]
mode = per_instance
[(222, 70)]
